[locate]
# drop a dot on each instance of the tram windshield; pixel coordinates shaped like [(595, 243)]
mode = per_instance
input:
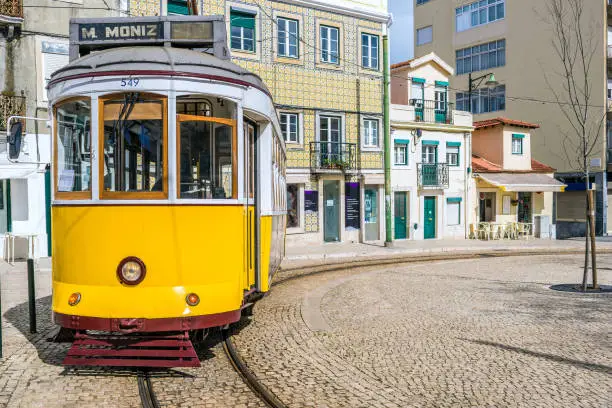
[(73, 130), (134, 132)]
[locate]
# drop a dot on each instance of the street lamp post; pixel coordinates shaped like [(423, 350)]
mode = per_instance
[(474, 83)]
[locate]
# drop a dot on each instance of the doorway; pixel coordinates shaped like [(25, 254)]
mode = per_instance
[(429, 228), (487, 207), (400, 215), (371, 214), (524, 207), (331, 215)]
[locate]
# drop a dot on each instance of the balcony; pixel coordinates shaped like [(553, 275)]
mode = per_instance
[(9, 106), (333, 156), (11, 11), (432, 111), (432, 176)]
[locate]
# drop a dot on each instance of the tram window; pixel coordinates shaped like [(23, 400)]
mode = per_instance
[(196, 108), (206, 160), (134, 144), (73, 146)]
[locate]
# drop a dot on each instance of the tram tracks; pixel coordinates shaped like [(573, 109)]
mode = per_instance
[(148, 398)]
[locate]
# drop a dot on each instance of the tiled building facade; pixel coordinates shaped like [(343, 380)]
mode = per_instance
[(328, 89)]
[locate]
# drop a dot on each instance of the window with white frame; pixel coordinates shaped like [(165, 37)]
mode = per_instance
[(453, 211), (400, 154), (329, 44), (330, 128), (289, 127), (429, 154), (424, 35), (370, 133), (242, 26), (517, 144), (479, 13), (369, 51), (288, 37), (54, 57), (479, 57), (452, 155)]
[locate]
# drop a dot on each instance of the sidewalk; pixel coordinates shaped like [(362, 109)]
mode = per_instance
[(303, 254)]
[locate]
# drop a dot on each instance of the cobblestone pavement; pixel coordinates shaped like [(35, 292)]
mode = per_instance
[(481, 333), (470, 333)]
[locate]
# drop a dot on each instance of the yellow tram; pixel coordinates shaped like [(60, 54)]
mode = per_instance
[(168, 211)]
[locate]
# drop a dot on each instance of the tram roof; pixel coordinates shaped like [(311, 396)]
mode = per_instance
[(149, 60)]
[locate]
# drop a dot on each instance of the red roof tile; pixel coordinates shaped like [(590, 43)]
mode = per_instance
[(504, 121), (402, 64), (481, 165)]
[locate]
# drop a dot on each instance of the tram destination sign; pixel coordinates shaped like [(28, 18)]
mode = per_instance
[(111, 31)]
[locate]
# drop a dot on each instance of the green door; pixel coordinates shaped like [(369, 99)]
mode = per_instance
[(331, 212), (400, 215), (429, 229)]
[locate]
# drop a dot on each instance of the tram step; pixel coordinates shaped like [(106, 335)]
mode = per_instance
[(132, 351)]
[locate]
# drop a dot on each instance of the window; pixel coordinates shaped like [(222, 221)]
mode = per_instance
[(54, 57), (287, 37), (400, 154), (73, 147), (416, 90), (453, 211), (329, 129), (134, 143), (440, 93), (517, 144), (429, 154), (242, 31), (206, 164), (178, 7), (197, 108), (452, 155), (424, 35), (479, 57), (370, 133), (369, 51), (421, 2), (289, 127), (329, 44), (370, 206), (483, 100), (479, 13), (293, 219)]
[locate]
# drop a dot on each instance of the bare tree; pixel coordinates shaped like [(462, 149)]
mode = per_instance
[(576, 43)]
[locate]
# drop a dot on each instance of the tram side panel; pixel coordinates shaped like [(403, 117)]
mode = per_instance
[(186, 249)]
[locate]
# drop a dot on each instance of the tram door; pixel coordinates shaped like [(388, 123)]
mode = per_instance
[(249, 179)]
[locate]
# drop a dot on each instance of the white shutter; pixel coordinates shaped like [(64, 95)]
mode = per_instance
[(452, 213), (50, 64)]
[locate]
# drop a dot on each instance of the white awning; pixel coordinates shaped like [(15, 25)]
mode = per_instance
[(15, 171), (536, 182)]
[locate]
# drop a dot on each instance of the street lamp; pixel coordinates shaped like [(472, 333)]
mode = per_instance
[(474, 83)]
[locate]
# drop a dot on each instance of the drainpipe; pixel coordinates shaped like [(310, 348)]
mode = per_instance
[(387, 154)]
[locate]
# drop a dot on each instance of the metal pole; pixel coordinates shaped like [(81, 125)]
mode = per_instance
[(470, 91), (31, 295), (387, 153)]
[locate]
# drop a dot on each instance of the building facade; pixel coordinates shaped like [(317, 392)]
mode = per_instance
[(511, 186), (322, 61), (33, 44), (431, 153), (513, 40)]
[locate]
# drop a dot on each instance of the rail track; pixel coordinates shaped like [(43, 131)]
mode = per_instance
[(145, 390)]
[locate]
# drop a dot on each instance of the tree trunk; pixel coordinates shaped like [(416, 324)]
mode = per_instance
[(593, 251), (585, 274)]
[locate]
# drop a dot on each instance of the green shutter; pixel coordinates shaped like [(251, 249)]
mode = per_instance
[(453, 144), (241, 19), (401, 141), (518, 136), (430, 142), (418, 80), (178, 7), (441, 83), (453, 200)]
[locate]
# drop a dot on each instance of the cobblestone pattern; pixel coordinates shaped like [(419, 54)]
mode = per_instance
[(481, 333)]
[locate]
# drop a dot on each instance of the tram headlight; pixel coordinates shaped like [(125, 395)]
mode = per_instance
[(74, 299), (131, 271), (192, 299)]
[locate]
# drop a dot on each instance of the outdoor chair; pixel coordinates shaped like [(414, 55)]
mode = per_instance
[(484, 230)]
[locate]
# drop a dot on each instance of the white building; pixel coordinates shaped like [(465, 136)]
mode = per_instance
[(431, 151)]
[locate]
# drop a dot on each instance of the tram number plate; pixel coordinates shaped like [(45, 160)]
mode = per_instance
[(129, 82)]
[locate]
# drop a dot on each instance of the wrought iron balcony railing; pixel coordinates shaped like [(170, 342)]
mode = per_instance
[(432, 111), (11, 106), (333, 156), (11, 8), (432, 175)]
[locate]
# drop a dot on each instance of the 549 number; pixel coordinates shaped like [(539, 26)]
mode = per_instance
[(129, 82)]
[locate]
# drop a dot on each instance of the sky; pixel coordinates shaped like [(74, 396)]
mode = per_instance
[(401, 35)]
